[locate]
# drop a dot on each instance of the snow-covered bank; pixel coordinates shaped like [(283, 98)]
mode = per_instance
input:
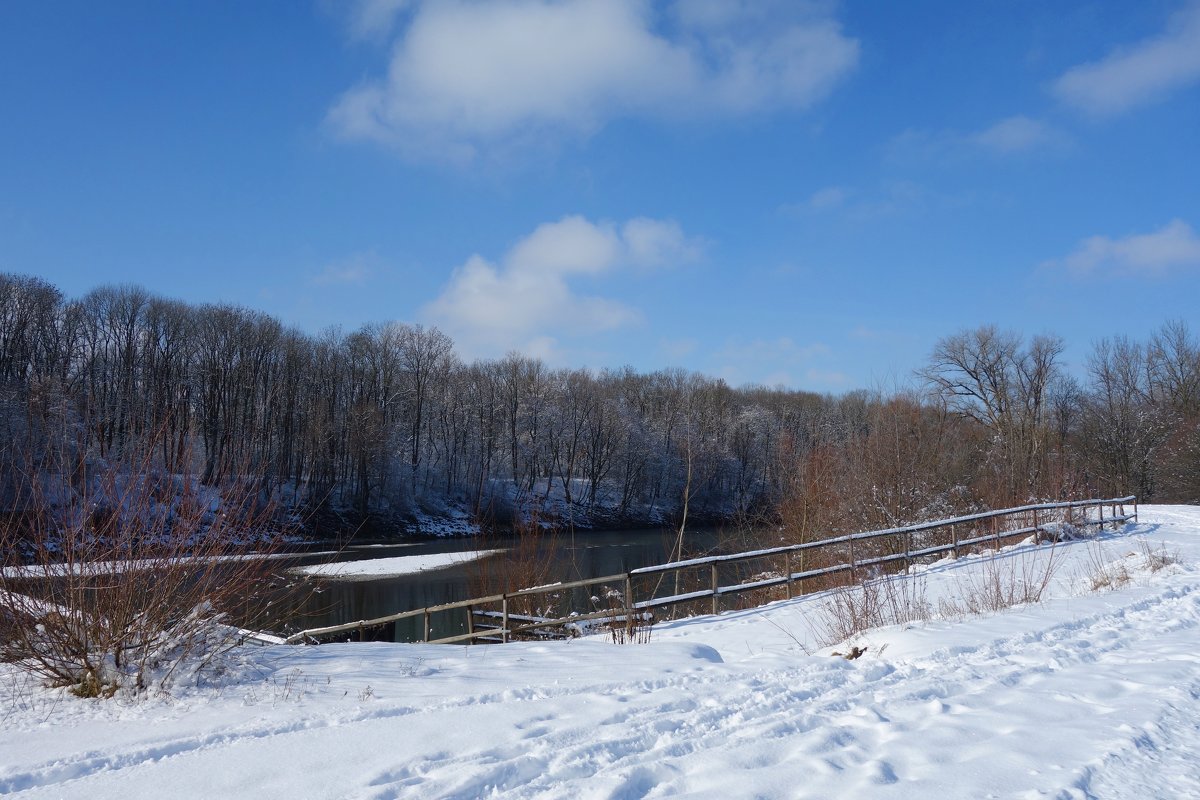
[(372, 568), (142, 564), (1090, 693)]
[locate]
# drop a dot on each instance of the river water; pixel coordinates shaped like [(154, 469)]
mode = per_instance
[(559, 558)]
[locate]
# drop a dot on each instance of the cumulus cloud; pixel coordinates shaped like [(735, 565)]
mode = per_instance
[(1143, 73), (465, 75), (1173, 246), (655, 243), (526, 300)]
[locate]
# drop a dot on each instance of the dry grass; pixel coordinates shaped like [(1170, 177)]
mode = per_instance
[(1001, 581), (1005, 580), (876, 603), (623, 628), (1155, 560), (1104, 573)]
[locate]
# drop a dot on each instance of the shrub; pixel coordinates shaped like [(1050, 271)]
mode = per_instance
[(116, 579), (1003, 580), (876, 603)]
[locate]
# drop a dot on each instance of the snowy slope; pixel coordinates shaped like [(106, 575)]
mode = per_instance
[(1087, 694)]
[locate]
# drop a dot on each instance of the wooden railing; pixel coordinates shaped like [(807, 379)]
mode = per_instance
[(852, 554)]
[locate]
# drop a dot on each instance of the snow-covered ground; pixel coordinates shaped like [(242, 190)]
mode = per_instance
[(372, 568), (1090, 693)]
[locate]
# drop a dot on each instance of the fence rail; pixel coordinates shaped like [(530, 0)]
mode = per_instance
[(504, 623)]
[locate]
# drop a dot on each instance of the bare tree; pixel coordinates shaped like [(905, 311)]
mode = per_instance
[(1173, 368), (424, 355), (991, 378)]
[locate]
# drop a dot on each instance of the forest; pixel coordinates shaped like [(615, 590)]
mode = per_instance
[(386, 426)]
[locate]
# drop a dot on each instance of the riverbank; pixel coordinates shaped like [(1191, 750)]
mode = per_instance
[(1091, 692), (546, 512)]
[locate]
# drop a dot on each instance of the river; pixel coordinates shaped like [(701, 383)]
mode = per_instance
[(549, 559)]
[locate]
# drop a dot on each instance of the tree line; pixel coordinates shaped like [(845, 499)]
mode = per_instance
[(387, 422)]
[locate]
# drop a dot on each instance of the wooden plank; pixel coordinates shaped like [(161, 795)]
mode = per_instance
[(502, 616), (560, 621), (558, 587), (673, 600)]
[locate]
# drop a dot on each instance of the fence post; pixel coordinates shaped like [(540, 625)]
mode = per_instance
[(716, 600), (803, 560), (427, 624), (787, 565), (954, 540), (1135, 510), (629, 604), (1100, 509), (907, 548), (1037, 531), (853, 564), (470, 621), (504, 620)]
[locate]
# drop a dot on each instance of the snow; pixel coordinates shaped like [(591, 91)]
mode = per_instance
[(1089, 693), (370, 569), (142, 565)]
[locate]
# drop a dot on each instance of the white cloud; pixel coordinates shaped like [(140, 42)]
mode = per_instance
[(657, 243), (526, 301), (1134, 76), (466, 76), (1015, 134), (570, 246), (1173, 246)]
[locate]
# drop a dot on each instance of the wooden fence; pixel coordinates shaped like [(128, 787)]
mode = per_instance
[(501, 617)]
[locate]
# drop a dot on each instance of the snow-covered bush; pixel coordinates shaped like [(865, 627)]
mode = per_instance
[(109, 582)]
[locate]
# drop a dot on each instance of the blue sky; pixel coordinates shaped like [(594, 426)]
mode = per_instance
[(804, 193)]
